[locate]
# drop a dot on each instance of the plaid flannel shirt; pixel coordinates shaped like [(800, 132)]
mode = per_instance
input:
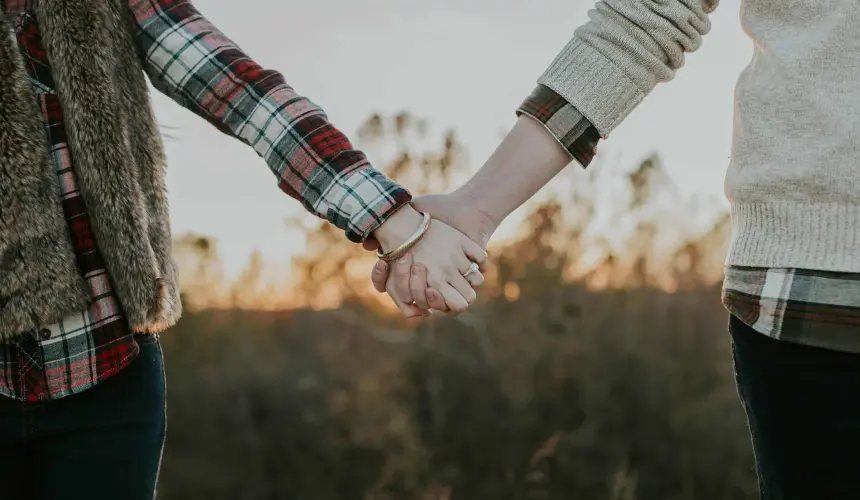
[(188, 59), (815, 308)]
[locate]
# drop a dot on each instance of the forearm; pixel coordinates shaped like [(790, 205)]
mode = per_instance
[(609, 66), (192, 61), (525, 161)]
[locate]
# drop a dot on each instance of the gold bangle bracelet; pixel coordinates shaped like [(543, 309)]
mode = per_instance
[(409, 243)]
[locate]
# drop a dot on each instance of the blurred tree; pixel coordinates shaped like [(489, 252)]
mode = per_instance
[(580, 373)]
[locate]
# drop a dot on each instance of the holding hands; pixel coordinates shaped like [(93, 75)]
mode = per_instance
[(527, 159), (431, 264)]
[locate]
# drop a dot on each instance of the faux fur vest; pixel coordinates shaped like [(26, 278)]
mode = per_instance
[(118, 159)]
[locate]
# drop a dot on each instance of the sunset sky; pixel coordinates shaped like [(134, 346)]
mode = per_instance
[(462, 64)]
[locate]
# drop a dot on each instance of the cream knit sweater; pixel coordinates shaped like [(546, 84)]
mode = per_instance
[(794, 177)]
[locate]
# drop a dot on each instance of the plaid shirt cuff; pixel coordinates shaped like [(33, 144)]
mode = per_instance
[(358, 201), (572, 130), (374, 212)]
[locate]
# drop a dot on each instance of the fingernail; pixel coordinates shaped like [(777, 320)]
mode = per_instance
[(414, 271)]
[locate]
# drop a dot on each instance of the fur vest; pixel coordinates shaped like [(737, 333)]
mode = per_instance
[(118, 158)]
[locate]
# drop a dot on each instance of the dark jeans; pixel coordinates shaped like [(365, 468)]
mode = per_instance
[(803, 407), (102, 444)]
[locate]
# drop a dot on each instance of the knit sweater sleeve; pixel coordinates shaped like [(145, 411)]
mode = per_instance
[(622, 52)]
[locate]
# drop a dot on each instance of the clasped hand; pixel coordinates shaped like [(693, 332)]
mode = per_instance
[(436, 273)]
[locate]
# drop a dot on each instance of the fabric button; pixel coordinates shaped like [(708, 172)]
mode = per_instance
[(45, 334)]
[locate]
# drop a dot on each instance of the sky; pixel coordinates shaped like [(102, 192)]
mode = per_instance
[(460, 64)]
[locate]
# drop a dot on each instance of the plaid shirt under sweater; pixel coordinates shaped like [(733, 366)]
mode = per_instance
[(815, 308), (188, 59)]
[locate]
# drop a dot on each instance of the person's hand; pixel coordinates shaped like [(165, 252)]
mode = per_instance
[(443, 256), (455, 210), (452, 209)]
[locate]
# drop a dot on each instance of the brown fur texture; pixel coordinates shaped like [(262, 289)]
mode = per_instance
[(119, 162)]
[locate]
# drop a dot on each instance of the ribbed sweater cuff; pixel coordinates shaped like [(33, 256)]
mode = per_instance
[(593, 84)]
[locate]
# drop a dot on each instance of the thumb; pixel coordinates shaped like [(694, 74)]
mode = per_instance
[(370, 244), (379, 275), (428, 203)]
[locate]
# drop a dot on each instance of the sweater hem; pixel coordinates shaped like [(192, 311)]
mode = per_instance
[(795, 235)]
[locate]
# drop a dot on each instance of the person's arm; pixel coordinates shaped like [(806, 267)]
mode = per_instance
[(603, 73), (549, 134), (626, 48), (194, 63), (191, 61), (526, 160), (600, 76)]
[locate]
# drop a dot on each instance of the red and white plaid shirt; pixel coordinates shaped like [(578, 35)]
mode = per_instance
[(190, 60)]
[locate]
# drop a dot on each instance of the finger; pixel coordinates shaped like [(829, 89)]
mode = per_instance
[(379, 275), (455, 301), (435, 300), (400, 279), (418, 286), (475, 279), (408, 310), (463, 287), (476, 254), (370, 244)]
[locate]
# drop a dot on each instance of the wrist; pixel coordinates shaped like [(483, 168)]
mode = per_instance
[(478, 221), (397, 228), (526, 159), (486, 212)]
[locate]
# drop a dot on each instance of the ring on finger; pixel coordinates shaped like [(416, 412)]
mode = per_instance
[(475, 280), (473, 268)]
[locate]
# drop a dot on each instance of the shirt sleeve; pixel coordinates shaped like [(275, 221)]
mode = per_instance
[(572, 130), (195, 64), (625, 49)]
